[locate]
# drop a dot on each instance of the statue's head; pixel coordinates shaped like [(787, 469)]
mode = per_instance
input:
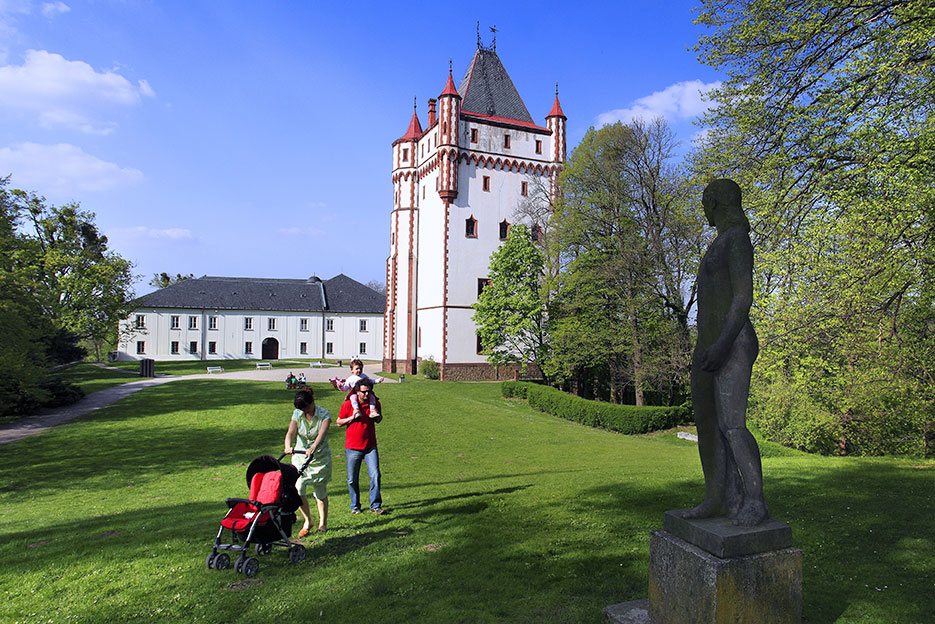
[(722, 204)]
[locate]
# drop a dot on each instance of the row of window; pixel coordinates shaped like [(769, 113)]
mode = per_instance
[(470, 229), (175, 323), (247, 347), (506, 144)]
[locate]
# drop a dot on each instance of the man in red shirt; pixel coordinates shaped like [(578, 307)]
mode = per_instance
[(360, 444)]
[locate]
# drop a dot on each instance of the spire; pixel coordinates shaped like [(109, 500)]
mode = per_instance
[(450, 88), (556, 107), (415, 128)]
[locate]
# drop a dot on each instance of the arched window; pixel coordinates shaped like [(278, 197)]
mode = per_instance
[(470, 227), (504, 229)]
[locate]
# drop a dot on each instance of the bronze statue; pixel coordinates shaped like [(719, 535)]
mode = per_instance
[(722, 364)]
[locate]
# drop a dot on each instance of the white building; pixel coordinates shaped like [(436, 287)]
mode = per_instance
[(456, 187), (217, 318)]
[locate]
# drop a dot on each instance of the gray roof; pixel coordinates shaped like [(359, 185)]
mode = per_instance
[(342, 294), (487, 89)]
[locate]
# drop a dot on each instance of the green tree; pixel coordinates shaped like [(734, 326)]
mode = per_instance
[(509, 313), (827, 120), (629, 244), (162, 280)]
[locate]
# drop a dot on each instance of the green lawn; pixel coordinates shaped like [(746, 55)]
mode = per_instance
[(496, 513), (92, 378)]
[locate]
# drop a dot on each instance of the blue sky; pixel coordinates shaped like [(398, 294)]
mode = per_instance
[(253, 138)]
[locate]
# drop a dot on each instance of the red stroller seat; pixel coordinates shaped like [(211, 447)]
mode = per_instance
[(264, 519)]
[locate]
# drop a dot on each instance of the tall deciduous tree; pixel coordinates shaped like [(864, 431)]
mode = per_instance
[(827, 120), (163, 280), (509, 313), (629, 243)]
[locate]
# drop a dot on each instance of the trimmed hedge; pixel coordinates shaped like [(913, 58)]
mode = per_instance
[(623, 418)]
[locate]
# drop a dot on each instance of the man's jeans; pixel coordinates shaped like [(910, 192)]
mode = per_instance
[(372, 459)]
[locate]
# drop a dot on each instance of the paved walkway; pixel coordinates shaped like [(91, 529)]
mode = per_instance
[(32, 425)]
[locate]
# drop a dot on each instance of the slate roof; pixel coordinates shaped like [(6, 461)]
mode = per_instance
[(342, 294), (488, 90)]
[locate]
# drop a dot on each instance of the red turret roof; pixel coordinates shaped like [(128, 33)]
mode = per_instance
[(556, 110), (450, 87), (415, 128)]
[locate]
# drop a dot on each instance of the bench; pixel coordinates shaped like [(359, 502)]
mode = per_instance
[(263, 365), (215, 369), (321, 364)]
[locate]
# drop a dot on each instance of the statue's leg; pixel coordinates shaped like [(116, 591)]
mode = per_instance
[(733, 389), (711, 444)]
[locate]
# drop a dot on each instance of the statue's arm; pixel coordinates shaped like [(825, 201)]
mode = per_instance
[(740, 269)]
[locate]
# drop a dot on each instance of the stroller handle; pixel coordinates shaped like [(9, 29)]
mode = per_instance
[(304, 466)]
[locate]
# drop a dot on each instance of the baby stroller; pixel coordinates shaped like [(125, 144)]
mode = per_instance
[(265, 519)]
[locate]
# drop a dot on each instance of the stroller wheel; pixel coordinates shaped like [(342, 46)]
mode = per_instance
[(222, 561), (238, 565), (296, 553), (250, 566), (210, 560), (264, 549)]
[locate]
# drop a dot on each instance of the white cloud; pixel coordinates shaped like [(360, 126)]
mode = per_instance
[(67, 93), (300, 231), (682, 100), (62, 169), (51, 9), (141, 232)]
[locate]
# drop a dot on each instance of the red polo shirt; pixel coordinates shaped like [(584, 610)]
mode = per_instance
[(361, 434)]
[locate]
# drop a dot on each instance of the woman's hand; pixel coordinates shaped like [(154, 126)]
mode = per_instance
[(288, 450), (309, 452)]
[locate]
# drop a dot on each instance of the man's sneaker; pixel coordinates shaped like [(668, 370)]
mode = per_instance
[(377, 510), (354, 512)]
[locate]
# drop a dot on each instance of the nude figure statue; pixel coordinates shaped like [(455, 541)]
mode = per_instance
[(722, 365)]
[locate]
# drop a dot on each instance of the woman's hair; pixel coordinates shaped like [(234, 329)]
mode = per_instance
[(356, 362), (304, 399)]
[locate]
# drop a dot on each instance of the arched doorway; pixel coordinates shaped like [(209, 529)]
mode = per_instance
[(270, 349)]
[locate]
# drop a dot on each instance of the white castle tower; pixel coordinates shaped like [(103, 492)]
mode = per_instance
[(456, 187)]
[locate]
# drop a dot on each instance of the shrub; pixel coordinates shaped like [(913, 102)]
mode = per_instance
[(622, 418), (429, 368)]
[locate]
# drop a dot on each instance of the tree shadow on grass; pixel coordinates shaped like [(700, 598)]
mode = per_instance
[(865, 528)]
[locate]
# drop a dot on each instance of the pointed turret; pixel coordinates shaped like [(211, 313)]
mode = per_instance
[(449, 116), (555, 121)]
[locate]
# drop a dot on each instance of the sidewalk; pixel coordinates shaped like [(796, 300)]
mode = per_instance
[(32, 425)]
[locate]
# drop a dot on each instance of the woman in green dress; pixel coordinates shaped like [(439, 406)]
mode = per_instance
[(306, 437)]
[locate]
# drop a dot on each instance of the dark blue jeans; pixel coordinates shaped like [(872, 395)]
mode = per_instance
[(372, 459)]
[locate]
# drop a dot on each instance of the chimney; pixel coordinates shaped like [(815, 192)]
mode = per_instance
[(431, 112)]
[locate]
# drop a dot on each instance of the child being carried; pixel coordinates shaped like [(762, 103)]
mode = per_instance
[(347, 385)]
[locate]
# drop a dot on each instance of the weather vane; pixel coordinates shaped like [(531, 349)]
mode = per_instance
[(493, 44)]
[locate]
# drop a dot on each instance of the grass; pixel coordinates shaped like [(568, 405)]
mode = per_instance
[(496, 513), (92, 378)]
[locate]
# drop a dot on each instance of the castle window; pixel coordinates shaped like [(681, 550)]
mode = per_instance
[(329, 325), (506, 141), (405, 154), (482, 283), (271, 324), (470, 227), (486, 183), (212, 322), (473, 135), (536, 233), (504, 229), (524, 188), (363, 348), (538, 146), (303, 324), (363, 325), (480, 346), (329, 348), (140, 321), (303, 348), (444, 127)]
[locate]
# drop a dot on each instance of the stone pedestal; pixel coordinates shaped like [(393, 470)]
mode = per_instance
[(756, 577)]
